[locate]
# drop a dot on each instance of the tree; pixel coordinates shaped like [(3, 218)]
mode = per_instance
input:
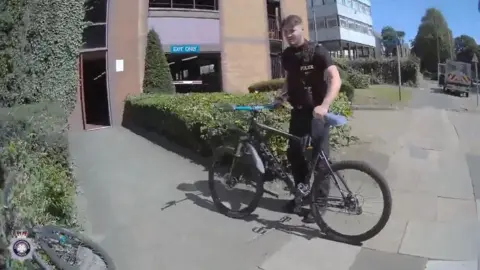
[(390, 39), (465, 48), (433, 42), (157, 78)]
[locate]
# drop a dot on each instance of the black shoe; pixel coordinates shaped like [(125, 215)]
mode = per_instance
[(289, 207), (308, 218)]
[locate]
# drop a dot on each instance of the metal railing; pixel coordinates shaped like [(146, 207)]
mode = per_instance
[(194, 4), (276, 65), (273, 29)]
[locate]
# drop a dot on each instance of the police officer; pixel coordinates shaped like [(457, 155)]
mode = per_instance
[(312, 84)]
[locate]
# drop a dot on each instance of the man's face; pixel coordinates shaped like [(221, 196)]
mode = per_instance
[(294, 36)]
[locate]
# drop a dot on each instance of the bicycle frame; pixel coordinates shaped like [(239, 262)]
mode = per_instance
[(271, 163)]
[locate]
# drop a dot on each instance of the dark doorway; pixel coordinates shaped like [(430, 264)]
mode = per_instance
[(95, 103)]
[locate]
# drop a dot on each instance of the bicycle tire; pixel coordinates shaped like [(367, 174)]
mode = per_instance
[(86, 242), (218, 153), (386, 194)]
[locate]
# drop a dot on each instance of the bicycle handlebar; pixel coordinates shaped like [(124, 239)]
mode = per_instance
[(331, 119)]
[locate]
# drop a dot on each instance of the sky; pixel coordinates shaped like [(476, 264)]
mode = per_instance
[(462, 16)]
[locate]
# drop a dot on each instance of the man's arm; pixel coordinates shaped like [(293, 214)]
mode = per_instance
[(331, 76)]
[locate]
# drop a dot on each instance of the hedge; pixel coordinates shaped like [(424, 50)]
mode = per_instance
[(34, 160), (39, 47), (384, 71), (193, 121)]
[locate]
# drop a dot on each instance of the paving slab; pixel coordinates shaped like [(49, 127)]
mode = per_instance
[(451, 210), (390, 238), (452, 265), (473, 161), (368, 259), (409, 205), (441, 241), (313, 254)]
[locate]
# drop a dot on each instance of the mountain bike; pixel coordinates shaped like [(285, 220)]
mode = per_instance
[(258, 165), (53, 245)]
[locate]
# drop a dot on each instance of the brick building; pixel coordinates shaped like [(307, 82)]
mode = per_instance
[(239, 41)]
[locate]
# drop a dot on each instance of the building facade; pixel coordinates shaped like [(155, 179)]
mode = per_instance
[(344, 27), (211, 45)]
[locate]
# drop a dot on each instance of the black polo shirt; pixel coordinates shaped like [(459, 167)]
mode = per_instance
[(305, 68)]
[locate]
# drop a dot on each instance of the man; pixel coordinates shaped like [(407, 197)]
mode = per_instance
[(312, 84)]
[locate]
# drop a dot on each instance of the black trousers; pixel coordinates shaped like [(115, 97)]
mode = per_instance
[(302, 124)]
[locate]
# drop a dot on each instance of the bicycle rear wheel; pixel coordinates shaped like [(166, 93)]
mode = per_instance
[(234, 173), (68, 250), (327, 204)]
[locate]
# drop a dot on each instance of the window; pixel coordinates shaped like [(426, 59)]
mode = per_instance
[(370, 31), (96, 11), (356, 6), (349, 3), (343, 2), (160, 3), (321, 22), (332, 21), (207, 69), (329, 2), (351, 24), (95, 36), (205, 4), (343, 22)]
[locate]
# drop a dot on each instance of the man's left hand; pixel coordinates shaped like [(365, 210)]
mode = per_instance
[(320, 111)]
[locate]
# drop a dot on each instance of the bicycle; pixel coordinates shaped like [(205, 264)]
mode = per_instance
[(49, 239), (253, 152)]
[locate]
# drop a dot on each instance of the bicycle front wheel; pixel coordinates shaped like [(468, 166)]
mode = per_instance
[(236, 186), (69, 250), (334, 197)]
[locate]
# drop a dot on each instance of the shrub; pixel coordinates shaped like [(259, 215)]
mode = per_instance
[(157, 78), (193, 121), (39, 44), (267, 86), (358, 80), (348, 90), (384, 70), (34, 160)]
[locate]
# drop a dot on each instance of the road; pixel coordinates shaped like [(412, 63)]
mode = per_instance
[(149, 206)]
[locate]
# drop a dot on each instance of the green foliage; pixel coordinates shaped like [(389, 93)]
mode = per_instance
[(157, 78), (433, 37), (465, 48), (34, 161), (348, 90), (358, 80), (385, 71), (267, 86), (390, 37), (39, 45), (193, 121)]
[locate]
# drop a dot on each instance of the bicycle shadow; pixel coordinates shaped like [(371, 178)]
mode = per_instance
[(198, 193)]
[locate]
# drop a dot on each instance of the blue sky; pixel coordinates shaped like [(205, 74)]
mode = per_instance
[(462, 16)]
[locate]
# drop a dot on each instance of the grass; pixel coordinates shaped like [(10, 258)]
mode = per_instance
[(382, 95)]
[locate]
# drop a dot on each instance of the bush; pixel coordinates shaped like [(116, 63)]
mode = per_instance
[(358, 80), (193, 121), (348, 90), (267, 86), (383, 70), (34, 161), (157, 78), (39, 44)]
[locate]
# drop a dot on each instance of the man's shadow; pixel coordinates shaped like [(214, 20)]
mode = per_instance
[(199, 193)]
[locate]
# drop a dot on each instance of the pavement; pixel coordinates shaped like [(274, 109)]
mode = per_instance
[(147, 203)]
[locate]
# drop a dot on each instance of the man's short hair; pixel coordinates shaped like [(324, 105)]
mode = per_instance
[(291, 21)]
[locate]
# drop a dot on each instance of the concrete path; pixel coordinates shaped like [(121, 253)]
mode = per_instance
[(150, 207)]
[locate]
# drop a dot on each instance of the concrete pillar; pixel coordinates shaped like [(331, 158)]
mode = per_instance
[(245, 44), (349, 51), (295, 7)]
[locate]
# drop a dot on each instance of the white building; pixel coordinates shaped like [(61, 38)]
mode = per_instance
[(342, 26)]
